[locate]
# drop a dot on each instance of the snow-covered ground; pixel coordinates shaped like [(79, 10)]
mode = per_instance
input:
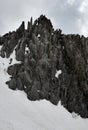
[(18, 113)]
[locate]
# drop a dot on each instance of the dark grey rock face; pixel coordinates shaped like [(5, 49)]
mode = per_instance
[(42, 51)]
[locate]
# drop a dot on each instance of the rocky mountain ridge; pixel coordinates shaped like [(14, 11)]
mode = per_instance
[(43, 51)]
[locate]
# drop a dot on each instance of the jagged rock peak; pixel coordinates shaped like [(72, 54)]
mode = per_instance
[(29, 26), (53, 66), (21, 30), (45, 21)]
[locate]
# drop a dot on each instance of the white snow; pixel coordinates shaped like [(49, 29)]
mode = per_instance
[(27, 50), (51, 33), (5, 62), (58, 72), (14, 61), (18, 113), (38, 35)]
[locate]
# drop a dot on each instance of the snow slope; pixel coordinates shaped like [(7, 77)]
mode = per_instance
[(18, 113)]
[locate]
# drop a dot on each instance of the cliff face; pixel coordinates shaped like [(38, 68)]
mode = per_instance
[(43, 51)]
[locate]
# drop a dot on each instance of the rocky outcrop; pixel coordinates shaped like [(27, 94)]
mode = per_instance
[(44, 51)]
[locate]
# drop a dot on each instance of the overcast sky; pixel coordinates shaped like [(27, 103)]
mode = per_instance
[(69, 15)]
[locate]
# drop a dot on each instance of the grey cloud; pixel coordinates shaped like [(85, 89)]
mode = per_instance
[(66, 16), (63, 14)]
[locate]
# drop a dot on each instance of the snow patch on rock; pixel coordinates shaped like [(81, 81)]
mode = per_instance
[(58, 72)]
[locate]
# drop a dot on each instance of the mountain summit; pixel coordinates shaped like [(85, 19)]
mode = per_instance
[(51, 65)]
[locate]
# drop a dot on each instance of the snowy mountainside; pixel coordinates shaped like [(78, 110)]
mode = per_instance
[(18, 113)]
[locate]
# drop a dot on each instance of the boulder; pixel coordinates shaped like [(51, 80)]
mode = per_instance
[(12, 84), (33, 94)]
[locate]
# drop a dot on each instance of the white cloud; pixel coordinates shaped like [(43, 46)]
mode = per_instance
[(83, 20), (83, 26), (83, 7), (70, 2), (69, 15)]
